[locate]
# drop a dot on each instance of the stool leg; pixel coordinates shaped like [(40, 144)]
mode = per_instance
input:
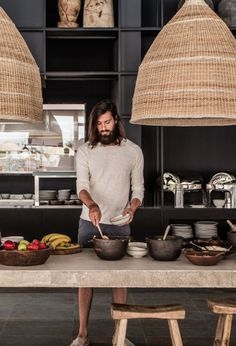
[(121, 333), (219, 330), (114, 339), (226, 330), (175, 333)]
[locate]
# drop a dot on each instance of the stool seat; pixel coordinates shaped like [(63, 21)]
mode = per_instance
[(172, 312), (225, 308), (167, 312)]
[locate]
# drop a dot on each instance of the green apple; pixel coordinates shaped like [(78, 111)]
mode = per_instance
[(26, 242), (22, 246)]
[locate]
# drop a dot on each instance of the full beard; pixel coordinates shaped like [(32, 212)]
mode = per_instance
[(107, 137)]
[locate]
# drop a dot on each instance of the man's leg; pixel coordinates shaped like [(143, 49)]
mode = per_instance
[(119, 296), (85, 296)]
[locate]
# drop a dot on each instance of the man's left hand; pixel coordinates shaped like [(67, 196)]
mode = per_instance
[(131, 214)]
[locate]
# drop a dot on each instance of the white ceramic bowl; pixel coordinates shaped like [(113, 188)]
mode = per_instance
[(120, 220), (137, 249), (137, 252), (138, 244), (219, 203), (15, 238)]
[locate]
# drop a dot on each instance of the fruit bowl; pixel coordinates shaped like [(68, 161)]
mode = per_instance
[(24, 258)]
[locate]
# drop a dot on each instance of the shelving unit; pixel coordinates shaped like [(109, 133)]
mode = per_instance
[(85, 65)]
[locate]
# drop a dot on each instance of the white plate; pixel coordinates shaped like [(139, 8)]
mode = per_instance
[(197, 206), (120, 220), (15, 238)]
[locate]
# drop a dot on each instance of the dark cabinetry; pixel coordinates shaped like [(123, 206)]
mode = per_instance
[(84, 65)]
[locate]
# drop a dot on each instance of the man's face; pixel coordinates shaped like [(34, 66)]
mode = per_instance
[(105, 126)]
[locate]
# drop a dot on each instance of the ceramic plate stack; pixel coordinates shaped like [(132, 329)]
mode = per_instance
[(47, 195), (63, 195), (182, 230), (205, 229)]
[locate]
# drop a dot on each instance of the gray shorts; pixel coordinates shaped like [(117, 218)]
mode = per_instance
[(87, 231)]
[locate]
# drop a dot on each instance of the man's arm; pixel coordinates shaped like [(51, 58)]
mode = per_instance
[(83, 185), (94, 210), (137, 186)]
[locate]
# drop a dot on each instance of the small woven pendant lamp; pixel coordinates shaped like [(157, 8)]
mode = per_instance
[(188, 76), (20, 83)]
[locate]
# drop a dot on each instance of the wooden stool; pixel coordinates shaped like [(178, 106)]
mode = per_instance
[(226, 309), (123, 312)]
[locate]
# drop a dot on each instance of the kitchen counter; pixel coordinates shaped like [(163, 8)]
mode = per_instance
[(85, 269)]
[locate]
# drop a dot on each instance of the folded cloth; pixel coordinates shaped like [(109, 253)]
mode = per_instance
[(81, 341)]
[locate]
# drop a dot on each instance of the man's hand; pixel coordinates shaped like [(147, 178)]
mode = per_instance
[(135, 203), (131, 214), (94, 214)]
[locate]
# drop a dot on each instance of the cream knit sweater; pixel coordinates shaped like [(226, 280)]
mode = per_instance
[(112, 174)]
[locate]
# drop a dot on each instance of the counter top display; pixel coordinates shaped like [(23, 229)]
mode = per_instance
[(85, 269)]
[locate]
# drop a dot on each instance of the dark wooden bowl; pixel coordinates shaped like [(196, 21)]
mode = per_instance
[(164, 250), (111, 249), (24, 258), (204, 258), (231, 236)]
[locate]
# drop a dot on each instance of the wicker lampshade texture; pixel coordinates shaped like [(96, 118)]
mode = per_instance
[(20, 83), (188, 76)]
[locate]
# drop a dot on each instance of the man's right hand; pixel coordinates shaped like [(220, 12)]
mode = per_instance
[(95, 214)]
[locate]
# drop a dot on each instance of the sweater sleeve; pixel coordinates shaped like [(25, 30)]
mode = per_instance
[(137, 180), (82, 171)]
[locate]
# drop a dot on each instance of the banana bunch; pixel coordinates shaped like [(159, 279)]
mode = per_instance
[(57, 240)]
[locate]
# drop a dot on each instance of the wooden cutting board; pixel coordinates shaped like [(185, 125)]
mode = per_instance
[(66, 251)]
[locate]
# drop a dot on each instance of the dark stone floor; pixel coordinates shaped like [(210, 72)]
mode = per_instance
[(42, 317)]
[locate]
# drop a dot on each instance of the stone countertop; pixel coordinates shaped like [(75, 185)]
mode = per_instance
[(85, 269)]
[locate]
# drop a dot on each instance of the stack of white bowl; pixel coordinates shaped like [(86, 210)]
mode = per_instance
[(137, 249), (182, 230), (47, 195), (63, 195), (205, 229)]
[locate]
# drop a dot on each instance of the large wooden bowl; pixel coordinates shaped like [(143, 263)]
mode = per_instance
[(204, 258), (111, 249), (24, 258)]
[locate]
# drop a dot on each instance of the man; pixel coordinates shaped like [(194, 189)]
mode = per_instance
[(109, 170)]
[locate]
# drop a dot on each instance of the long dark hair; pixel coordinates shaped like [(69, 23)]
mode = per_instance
[(99, 109)]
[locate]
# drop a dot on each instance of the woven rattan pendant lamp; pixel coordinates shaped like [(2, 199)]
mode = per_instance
[(188, 76), (20, 83)]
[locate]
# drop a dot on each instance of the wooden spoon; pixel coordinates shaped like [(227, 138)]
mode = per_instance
[(198, 246), (100, 231), (233, 228), (166, 232)]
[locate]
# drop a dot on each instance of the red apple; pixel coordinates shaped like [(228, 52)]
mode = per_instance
[(32, 246), (42, 245), (36, 241), (9, 245)]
